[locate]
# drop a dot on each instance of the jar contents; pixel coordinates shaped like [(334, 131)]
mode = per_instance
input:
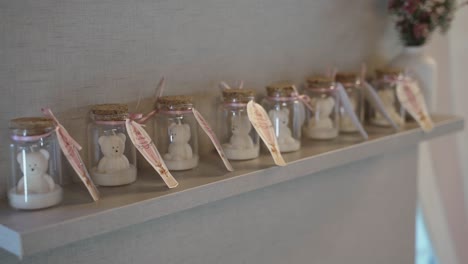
[(110, 149), (239, 140), (386, 90), (351, 83), (286, 113), (37, 158), (176, 132), (322, 123), (180, 155)]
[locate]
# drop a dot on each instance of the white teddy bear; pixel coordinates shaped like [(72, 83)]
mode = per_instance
[(280, 120), (323, 109), (179, 148), (34, 166), (346, 122), (240, 128), (388, 100), (113, 147)]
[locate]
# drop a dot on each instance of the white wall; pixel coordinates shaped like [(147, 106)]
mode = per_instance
[(449, 154)]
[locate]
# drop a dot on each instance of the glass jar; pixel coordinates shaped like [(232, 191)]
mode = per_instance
[(323, 122), (176, 134), (112, 155), (286, 113), (36, 164), (239, 139), (385, 85), (352, 86)]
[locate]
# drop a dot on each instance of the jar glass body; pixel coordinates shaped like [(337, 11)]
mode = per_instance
[(386, 90), (238, 138), (355, 94), (323, 122), (176, 137), (112, 155), (287, 117), (36, 178)]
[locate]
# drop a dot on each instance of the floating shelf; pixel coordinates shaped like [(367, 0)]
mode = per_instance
[(24, 233)]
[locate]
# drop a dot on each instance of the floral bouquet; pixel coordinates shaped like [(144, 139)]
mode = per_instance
[(417, 19)]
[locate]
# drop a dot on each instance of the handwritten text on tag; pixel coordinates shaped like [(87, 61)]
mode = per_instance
[(145, 145), (262, 124), (413, 101), (70, 149), (209, 132)]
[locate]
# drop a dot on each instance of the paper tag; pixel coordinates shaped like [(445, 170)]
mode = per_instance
[(70, 150), (209, 132), (262, 124), (224, 86), (410, 96), (348, 107), (377, 103), (145, 145)]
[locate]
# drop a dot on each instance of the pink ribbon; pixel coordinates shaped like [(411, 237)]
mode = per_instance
[(70, 149), (175, 112), (30, 138), (236, 104)]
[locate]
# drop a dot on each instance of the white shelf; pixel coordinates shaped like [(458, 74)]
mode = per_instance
[(24, 233)]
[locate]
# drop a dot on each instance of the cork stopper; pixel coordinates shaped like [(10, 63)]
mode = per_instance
[(238, 95), (177, 103), (382, 72), (31, 126), (346, 77), (281, 89), (319, 81), (110, 112)]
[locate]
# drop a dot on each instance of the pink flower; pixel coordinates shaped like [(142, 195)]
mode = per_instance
[(411, 5), (421, 30), (440, 10)]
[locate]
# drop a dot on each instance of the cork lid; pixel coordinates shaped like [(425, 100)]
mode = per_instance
[(110, 112), (31, 126), (346, 77), (176, 102), (238, 95), (281, 89), (388, 71), (319, 81)]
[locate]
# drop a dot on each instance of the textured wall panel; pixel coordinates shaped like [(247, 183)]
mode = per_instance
[(70, 54)]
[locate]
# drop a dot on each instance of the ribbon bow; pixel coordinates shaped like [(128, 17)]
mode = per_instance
[(70, 149)]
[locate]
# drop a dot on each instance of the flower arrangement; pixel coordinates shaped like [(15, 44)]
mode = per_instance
[(416, 19)]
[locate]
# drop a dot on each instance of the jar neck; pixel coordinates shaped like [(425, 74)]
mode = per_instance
[(279, 98), (237, 102), (350, 85), (414, 50), (175, 109), (24, 135)]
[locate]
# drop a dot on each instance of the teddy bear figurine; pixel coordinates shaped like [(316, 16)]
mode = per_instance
[(388, 100), (240, 128), (324, 108), (280, 121), (321, 125), (112, 148), (346, 123), (179, 148), (34, 166)]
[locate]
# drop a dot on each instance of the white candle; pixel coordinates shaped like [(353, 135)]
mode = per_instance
[(321, 125), (180, 154)]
